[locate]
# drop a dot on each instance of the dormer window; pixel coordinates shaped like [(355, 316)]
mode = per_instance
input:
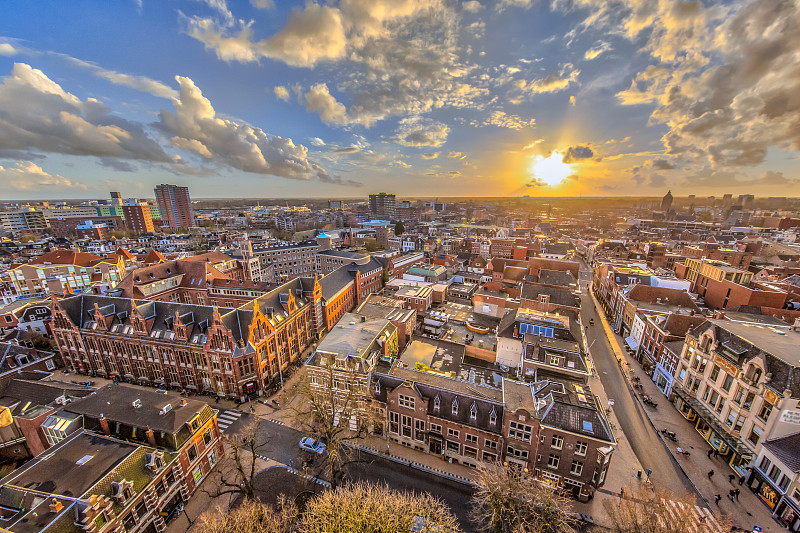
[(493, 417), (122, 491), (455, 407), (436, 403), (473, 412), (377, 387)]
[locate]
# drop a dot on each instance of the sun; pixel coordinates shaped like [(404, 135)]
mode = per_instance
[(550, 170)]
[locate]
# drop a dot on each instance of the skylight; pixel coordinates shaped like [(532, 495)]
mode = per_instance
[(83, 460)]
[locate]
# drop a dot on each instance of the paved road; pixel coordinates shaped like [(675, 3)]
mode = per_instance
[(645, 442)]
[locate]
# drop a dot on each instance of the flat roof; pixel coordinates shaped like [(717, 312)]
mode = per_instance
[(779, 342), (352, 335)]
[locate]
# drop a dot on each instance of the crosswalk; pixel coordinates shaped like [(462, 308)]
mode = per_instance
[(226, 418), (706, 523)]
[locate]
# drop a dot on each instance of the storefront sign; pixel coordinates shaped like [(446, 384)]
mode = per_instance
[(768, 495), (791, 417)]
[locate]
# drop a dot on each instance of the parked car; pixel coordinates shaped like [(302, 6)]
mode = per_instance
[(312, 445)]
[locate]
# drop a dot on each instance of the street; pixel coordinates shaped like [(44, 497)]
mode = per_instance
[(644, 440)]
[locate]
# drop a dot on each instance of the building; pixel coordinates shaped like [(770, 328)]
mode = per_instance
[(330, 260), (289, 260), (735, 381), (416, 298), (662, 344), (139, 458), (175, 206), (405, 320), (137, 217), (230, 352), (116, 198), (666, 202), (382, 206), (774, 476), (66, 227), (23, 220)]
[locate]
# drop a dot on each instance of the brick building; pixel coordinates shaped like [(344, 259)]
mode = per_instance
[(66, 227), (137, 217)]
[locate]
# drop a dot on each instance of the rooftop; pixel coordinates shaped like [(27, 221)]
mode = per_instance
[(353, 335)]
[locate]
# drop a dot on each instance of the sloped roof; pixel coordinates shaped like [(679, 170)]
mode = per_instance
[(787, 449), (63, 256)]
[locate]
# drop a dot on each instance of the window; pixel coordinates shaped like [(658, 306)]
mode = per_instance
[(472, 439), (100, 520), (520, 431), (470, 452), (207, 437), (731, 418), (453, 433), (419, 430), (406, 401), (748, 401), (192, 453), (774, 473), (436, 403), (515, 452), (493, 417), (728, 383), (453, 446), (473, 412), (141, 509), (455, 407), (581, 447), (737, 398), (714, 374), (784, 484), (197, 474), (576, 468), (377, 387), (755, 435), (129, 521), (720, 405), (405, 426), (553, 460), (436, 428), (714, 397), (557, 442), (394, 422), (491, 444), (489, 457), (765, 411)]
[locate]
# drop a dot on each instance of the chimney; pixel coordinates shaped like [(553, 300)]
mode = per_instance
[(55, 506), (151, 437), (104, 425)]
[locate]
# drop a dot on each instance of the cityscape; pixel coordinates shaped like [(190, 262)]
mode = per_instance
[(399, 265)]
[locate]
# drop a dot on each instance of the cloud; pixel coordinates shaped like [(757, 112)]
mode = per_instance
[(262, 4), (221, 7), (195, 126), (37, 113), (28, 176), (454, 155), (310, 35), (661, 164), (572, 100), (501, 119), (524, 4), (118, 164), (316, 141), (532, 144), (471, 6), (320, 100), (281, 92), (595, 52), (723, 80), (553, 83), (578, 153), (7, 50), (417, 131), (431, 155), (140, 83)]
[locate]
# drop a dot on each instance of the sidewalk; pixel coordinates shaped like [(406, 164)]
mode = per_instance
[(745, 513)]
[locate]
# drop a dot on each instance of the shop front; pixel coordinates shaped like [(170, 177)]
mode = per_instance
[(712, 430), (663, 380), (787, 514), (764, 489)]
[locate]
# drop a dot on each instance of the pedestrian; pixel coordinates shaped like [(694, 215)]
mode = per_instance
[(710, 452), (736, 494), (731, 477), (251, 408), (731, 494), (716, 453), (741, 480), (710, 474), (717, 498)]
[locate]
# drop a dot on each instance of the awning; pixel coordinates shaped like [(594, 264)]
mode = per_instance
[(708, 417), (630, 341)]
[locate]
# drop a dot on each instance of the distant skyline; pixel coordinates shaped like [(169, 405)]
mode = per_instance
[(421, 98)]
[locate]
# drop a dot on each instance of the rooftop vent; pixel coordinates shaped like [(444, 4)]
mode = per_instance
[(137, 403), (166, 409)]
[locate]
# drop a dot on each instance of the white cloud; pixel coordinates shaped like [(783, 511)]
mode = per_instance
[(553, 83), (282, 93), (221, 7), (524, 4), (320, 100), (472, 6), (262, 4), (28, 176), (501, 119), (37, 113), (7, 50), (595, 52), (417, 131), (140, 83), (316, 141), (195, 126)]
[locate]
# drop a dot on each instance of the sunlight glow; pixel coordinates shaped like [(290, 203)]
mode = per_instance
[(550, 170)]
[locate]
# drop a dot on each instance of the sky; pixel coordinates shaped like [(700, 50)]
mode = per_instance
[(343, 98)]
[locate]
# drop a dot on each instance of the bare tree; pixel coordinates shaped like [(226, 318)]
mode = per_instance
[(250, 517), (236, 470), (509, 500), (334, 406), (369, 507), (643, 510)]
